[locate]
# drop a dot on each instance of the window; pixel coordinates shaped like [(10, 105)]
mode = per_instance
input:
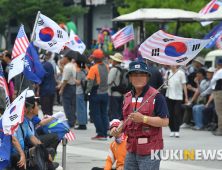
[(208, 64)]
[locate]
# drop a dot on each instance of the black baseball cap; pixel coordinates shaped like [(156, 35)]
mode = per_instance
[(202, 71)]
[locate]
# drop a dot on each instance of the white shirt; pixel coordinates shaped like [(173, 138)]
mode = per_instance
[(69, 72), (175, 89), (217, 76)]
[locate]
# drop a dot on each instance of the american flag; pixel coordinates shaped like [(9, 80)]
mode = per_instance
[(70, 136), (167, 49), (3, 84), (21, 43), (212, 6), (123, 36)]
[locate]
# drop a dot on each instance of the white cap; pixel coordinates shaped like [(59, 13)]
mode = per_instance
[(31, 93), (199, 60), (211, 70), (114, 122)]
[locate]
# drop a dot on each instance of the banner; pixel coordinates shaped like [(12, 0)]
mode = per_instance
[(33, 69)]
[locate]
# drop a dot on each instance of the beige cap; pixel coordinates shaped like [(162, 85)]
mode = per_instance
[(200, 60), (211, 70), (117, 57)]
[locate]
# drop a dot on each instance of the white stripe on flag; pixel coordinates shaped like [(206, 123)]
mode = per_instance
[(22, 45)]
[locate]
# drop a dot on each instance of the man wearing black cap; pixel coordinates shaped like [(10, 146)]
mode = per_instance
[(144, 128), (200, 80), (31, 111), (68, 89)]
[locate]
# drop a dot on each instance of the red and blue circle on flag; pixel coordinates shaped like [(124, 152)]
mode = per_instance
[(214, 8), (175, 49), (46, 34), (78, 40)]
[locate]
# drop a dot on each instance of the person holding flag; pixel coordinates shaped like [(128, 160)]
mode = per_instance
[(143, 126)]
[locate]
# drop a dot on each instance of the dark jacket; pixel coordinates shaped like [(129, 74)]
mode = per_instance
[(156, 79)]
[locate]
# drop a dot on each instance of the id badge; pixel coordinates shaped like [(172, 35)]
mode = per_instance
[(142, 140)]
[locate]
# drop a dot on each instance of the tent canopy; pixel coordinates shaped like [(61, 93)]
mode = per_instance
[(159, 15)]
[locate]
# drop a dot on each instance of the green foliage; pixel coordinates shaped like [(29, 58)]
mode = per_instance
[(4, 25), (25, 11), (194, 30)]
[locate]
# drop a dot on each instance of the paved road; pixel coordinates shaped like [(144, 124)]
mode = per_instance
[(83, 153)]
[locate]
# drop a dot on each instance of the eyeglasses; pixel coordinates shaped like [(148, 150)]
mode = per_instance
[(142, 74)]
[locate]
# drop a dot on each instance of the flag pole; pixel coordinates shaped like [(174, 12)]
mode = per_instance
[(35, 25), (149, 98), (33, 33), (22, 79)]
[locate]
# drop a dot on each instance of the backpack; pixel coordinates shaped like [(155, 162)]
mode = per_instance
[(124, 86), (84, 84), (84, 87), (55, 127), (37, 157)]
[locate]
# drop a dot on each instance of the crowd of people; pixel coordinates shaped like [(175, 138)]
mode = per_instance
[(193, 96), (200, 100)]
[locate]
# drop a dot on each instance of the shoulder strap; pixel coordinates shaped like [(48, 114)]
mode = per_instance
[(83, 88), (121, 74), (84, 72), (168, 73), (22, 131)]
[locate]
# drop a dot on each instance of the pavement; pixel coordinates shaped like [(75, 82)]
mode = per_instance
[(84, 153)]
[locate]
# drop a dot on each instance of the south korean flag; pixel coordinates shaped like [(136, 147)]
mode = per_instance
[(14, 114), (49, 35), (75, 43)]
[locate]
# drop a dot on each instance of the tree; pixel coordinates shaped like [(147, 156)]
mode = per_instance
[(4, 25), (194, 30), (25, 11)]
